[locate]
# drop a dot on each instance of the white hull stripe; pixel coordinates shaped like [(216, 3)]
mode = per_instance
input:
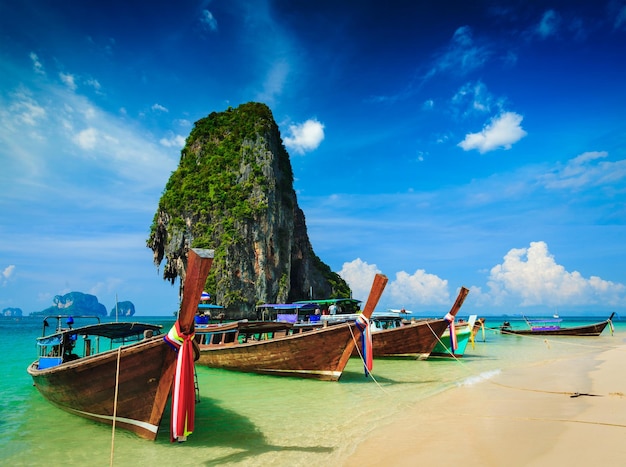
[(130, 421), (306, 372)]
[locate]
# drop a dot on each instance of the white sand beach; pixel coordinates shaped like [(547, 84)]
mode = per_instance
[(570, 411)]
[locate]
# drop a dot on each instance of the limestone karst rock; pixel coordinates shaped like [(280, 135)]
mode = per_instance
[(233, 192)]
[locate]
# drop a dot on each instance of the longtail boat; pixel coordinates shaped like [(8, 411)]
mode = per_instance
[(126, 386), (455, 346), (275, 348), (552, 327), (416, 338)]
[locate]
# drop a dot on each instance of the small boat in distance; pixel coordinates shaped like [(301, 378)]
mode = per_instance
[(128, 383), (552, 327), (275, 348)]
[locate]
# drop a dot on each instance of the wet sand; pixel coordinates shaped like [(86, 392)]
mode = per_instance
[(570, 411)]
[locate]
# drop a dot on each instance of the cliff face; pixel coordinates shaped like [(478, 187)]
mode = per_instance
[(233, 192)]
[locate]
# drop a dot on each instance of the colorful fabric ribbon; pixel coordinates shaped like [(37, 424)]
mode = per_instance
[(362, 325), (183, 391), (453, 342)]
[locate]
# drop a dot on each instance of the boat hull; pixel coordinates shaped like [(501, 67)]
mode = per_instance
[(590, 330), (87, 387), (414, 340), (319, 353)]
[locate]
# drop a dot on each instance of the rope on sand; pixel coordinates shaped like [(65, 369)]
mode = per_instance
[(547, 342)]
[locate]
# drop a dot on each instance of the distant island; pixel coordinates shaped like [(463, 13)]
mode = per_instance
[(12, 312), (78, 303)]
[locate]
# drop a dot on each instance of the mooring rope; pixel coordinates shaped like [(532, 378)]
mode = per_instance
[(354, 339), (117, 383)]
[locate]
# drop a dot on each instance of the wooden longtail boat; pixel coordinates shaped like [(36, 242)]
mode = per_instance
[(463, 332), (128, 385), (552, 327), (414, 339), (272, 348)]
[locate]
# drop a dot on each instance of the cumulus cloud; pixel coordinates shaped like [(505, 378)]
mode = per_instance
[(501, 132), (407, 290), (418, 288), (533, 277), (304, 137), (359, 275)]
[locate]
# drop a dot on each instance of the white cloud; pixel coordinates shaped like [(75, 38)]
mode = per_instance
[(418, 288), (8, 271), (584, 171), (174, 141), (532, 276), (408, 290), (549, 24), (359, 275), (462, 55), (274, 82), (24, 109), (501, 132), (86, 139), (160, 108), (37, 66), (68, 80), (305, 137), (208, 21)]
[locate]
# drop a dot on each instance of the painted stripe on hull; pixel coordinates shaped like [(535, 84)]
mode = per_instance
[(145, 425), (335, 374)]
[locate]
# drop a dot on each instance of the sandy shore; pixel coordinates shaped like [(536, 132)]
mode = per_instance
[(521, 417)]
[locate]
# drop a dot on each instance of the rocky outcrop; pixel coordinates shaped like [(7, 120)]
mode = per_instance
[(233, 192), (75, 303), (12, 312), (124, 308)]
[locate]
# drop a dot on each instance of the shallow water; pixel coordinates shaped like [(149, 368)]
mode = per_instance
[(247, 419)]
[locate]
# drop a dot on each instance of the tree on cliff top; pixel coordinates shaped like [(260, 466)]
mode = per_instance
[(233, 192)]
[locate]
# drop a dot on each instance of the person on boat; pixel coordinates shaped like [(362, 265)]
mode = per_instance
[(332, 309), (317, 311)]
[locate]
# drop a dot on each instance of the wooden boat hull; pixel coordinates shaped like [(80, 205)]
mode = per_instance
[(86, 387), (319, 353), (134, 393), (588, 330), (414, 340)]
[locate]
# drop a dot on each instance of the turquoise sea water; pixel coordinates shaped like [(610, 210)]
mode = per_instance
[(247, 419)]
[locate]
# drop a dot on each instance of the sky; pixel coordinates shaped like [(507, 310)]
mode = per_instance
[(444, 144)]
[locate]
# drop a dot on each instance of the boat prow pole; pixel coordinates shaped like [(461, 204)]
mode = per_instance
[(378, 286), (459, 301)]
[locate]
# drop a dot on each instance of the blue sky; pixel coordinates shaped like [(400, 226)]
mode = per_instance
[(441, 143)]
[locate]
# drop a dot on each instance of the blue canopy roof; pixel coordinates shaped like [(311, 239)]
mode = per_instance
[(288, 306)]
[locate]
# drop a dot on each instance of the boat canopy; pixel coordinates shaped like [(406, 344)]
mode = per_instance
[(330, 301), (208, 306), (289, 306), (111, 330)]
